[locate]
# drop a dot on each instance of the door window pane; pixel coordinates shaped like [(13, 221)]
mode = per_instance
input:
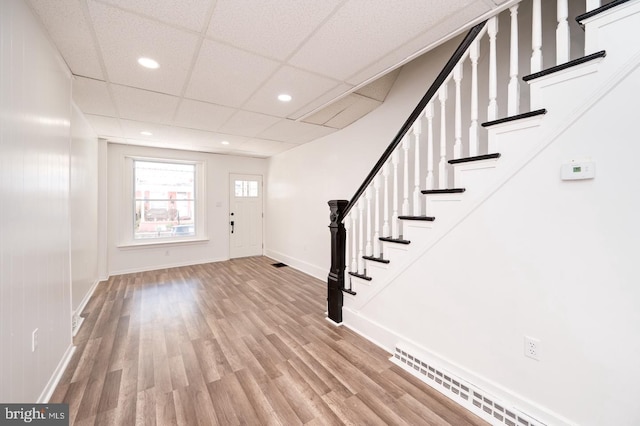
[(246, 188)]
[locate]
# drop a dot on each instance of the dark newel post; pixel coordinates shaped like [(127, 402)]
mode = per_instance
[(336, 273)]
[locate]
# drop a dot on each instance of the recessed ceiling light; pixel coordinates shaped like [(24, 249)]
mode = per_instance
[(145, 133), (148, 63), (284, 97), (225, 142)]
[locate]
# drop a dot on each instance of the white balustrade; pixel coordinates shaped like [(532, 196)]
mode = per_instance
[(442, 166), (368, 250), (347, 241), (354, 243), (474, 55), (513, 96), (395, 231), (562, 33), (417, 129), (386, 231), (428, 113), (536, 37), (492, 110), (376, 222), (457, 78), (406, 144), (360, 236)]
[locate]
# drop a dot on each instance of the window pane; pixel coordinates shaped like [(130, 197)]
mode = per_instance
[(238, 188), (253, 188), (164, 199)]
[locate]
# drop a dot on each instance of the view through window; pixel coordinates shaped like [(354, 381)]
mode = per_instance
[(164, 199)]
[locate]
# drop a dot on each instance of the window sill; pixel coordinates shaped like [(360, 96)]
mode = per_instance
[(176, 242)]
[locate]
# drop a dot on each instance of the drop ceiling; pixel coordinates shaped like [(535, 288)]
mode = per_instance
[(224, 62)]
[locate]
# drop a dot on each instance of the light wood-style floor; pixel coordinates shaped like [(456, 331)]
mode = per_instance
[(236, 342)]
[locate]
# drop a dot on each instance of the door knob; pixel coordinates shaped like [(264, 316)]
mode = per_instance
[(232, 225)]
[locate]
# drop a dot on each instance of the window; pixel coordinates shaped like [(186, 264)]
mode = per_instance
[(246, 188), (164, 200)]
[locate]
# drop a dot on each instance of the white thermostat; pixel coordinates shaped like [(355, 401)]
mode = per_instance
[(576, 170)]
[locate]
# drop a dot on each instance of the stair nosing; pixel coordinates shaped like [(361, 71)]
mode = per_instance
[(347, 290), (443, 191), (377, 259), (418, 218), (393, 240), (364, 277), (566, 65), (529, 114), (599, 10), (476, 158)]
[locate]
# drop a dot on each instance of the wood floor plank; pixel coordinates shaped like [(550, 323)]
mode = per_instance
[(234, 343)]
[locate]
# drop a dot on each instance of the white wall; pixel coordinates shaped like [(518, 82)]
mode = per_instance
[(301, 181), (83, 208), (218, 167), (35, 116)]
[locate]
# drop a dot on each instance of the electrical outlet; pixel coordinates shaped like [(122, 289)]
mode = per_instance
[(532, 348), (34, 340)]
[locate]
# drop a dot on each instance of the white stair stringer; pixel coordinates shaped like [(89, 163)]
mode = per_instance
[(531, 140)]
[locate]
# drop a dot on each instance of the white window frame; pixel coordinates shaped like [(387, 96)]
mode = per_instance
[(127, 217)]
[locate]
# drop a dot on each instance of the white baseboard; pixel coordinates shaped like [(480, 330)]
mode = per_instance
[(165, 266), (56, 376), (388, 339), (301, 265)]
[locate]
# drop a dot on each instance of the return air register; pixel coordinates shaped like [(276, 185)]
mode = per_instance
[(471, 397)]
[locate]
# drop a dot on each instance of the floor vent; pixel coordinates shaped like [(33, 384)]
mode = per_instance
[(279, 265), (472, 398)]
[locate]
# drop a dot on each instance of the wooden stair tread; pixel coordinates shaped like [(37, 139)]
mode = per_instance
[(376, 259), (362, 276), (515, 117), (348, 290), (395, 240), (443, 191), (566, 65), (476, 158), (599, 10), (420, 218)]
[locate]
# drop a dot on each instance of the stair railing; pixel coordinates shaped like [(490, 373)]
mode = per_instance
[(356, 226)]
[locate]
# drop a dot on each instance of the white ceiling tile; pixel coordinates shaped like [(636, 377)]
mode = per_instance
[(70, 31), (265, 148), (361, 107), (92, 96), (105, 127), (362, 30), (182, 135), (227, 76), (159, 132), (202, 115), (247, 123), (330, 96), (276, 27), (144, 105), (303, 87), (191, 14), (295, 132), (124, 37)]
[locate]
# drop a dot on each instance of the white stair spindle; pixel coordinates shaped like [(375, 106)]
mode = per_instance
[(592, 5), (428, 113), (536, 37), (562, 33), (417, 129), (347, 248), (395, 231), (406, 144), (386, 231), (354, 242), (442, 166), (492, 111), (361, 236), (457, 78), (474, 55), (513, 102), (376, 221), (368, 250)]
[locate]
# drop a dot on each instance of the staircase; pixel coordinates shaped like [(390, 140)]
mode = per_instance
[(502, 100)]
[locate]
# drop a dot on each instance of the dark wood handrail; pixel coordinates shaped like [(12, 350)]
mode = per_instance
[(440, 79)]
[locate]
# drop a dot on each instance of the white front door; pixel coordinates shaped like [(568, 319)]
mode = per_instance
[(245, 215)]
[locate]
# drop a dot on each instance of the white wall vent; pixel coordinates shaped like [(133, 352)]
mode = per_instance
[(469, 396)]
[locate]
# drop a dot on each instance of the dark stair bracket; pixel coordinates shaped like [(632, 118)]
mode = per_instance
[(476, 158), (364, 277), (418, 218), (443, 191), (376, 259), (515, 117), (598, 11), (566, 65), (348, 290), (395, 240)]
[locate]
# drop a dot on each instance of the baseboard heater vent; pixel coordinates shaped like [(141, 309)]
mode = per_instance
[(279, 265), (471, 397)]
